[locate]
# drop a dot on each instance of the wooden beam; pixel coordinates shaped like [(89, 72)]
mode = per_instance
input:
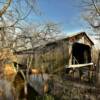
[(78, 65)]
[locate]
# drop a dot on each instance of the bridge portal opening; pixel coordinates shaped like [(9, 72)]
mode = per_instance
[(81, 53)]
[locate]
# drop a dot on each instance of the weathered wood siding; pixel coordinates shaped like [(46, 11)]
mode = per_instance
[(57, 56)]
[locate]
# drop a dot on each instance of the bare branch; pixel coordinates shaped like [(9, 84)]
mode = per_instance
[(5, 7), (95, 6)]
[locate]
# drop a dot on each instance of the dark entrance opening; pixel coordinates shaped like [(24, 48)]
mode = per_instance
[(81, 53)]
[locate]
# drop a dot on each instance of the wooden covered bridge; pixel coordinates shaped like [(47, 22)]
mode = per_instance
[(73, 51)]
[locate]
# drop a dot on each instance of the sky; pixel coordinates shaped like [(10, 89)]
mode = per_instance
[(67, 13)]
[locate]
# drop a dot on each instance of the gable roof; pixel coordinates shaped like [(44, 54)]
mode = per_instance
[(84, 33), (79, 34), (52, 42)]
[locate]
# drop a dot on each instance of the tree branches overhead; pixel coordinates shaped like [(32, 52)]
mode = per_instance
[(92, 12), (13, 14), (17, 33), (5, 7)]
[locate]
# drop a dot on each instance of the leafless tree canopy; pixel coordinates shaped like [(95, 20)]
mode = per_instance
[(15, 32), (92, 16), (92, 12)]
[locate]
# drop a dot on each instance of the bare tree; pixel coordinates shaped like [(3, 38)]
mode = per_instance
[(13, 14), (17, 34), (36, 35), (92, 16)]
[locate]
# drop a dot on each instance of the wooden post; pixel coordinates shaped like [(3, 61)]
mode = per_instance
[(98, 71), (70, 53)]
